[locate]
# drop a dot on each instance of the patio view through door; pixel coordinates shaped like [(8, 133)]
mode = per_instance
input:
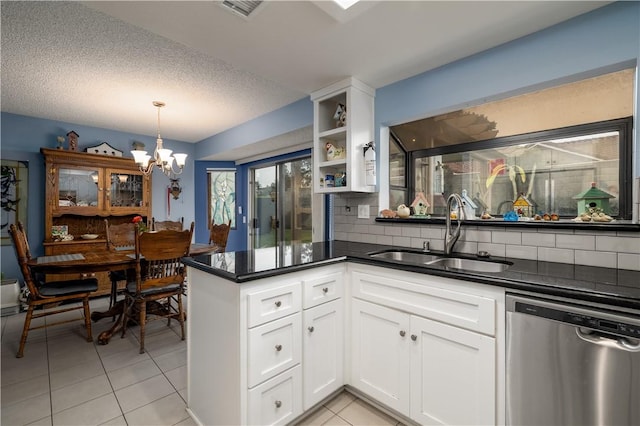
[(281, 203)]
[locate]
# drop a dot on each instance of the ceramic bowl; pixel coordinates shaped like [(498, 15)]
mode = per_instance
[(89, 236)]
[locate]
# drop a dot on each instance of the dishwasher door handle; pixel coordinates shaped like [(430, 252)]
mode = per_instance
[(622, 343)]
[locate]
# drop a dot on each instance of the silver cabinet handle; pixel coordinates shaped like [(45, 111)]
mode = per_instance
[(278, 303), (310, 329), (403, 333), (414, 337), (278, 348), (325, 290), (278, 403)]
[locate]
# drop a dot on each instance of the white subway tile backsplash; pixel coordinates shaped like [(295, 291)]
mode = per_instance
[(476, 235), (506, 237), (596, 258), (493, 249), (432, 232), (582, 242), (392, 230), (629, 261), (340, 236), (401, 241), (522, 252), (360, 229), (376, 229), (540, 240), (547, 254), (618, 244), (470, 247)]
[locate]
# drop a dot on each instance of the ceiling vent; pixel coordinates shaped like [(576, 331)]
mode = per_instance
[(242, 8)]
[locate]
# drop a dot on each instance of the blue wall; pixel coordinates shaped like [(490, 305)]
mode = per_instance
[(605, 40), (21, 139)]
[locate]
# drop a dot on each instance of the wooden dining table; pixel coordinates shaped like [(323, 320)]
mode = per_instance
[(100, 261)]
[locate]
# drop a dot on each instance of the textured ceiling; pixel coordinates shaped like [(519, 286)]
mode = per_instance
[(103, 63)]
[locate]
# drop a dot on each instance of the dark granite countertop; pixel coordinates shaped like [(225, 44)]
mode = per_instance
[(616, 287)]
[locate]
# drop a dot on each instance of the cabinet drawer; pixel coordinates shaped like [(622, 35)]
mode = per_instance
[(455, 307), (277, 401), (274, 303), (273, 348), (316, 291)]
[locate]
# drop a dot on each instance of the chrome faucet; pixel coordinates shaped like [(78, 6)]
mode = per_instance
[(450, 237)]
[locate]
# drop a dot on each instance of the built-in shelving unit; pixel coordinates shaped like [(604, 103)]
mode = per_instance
[(347, 132)]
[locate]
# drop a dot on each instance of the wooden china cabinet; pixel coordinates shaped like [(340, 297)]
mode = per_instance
[(82, 190)]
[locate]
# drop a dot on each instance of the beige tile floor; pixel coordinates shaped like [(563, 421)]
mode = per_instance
[(64, 380)]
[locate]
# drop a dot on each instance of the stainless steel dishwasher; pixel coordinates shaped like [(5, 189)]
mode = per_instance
[(571, 364)]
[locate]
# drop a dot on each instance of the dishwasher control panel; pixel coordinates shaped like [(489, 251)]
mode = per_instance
[(581, 320)]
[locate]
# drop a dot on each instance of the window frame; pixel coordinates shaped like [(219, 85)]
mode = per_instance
[(624, 126)]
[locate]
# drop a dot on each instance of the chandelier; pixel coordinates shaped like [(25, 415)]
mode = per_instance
[(162, 157)]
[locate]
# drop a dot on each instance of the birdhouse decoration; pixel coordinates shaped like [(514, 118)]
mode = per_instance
[(523, 206), (340, 115), (73, 140), (594, 199), (334, 152), (420, 204)]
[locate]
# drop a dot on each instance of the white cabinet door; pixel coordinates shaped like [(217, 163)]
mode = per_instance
[(452, 375), (323, 351), (381, 354)]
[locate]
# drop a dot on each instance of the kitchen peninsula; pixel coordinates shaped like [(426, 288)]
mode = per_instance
[(275, 332)]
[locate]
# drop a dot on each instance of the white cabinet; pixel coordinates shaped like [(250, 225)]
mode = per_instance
[(341, 168), (323, 356), (452, 375), (427, 346), (258, 354), (380, 354)]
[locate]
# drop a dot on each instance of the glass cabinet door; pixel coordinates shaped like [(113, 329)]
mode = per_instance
[(125, 189), (78, 187)]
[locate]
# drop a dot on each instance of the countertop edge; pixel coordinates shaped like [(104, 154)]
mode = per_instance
[(585, 294)]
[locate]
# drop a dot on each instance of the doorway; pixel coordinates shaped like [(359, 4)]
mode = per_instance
[(281, 204)]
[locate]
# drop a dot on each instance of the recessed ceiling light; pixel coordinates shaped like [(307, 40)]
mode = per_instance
[(346, 4)]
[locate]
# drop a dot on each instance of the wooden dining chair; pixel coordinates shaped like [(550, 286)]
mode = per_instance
[(160, 276), (161, 225), (53, 293), (218, 235), (120, 237)]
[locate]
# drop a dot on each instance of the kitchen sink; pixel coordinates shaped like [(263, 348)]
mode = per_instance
[(464, 264), (406, 256)]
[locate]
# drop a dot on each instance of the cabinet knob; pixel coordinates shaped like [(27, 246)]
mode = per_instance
[(310, 329), (278, 303), (414, 337), (325, 290), (403, 333), (278, 403), (278, 348)]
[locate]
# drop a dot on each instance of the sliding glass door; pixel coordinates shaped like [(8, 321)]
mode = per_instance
[(281, 203)]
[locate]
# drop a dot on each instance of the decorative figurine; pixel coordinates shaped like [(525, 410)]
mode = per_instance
[(340, 115), (73, 140), (593, 198), (420, 204), (60, 140), (334, 152), (523, 206), (403, 211)]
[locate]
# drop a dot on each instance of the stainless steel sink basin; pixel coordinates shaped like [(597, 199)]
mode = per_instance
[(406, 256), (470, 264)]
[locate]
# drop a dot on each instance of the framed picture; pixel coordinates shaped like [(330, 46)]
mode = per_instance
[(15, 182), (222, 196)]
